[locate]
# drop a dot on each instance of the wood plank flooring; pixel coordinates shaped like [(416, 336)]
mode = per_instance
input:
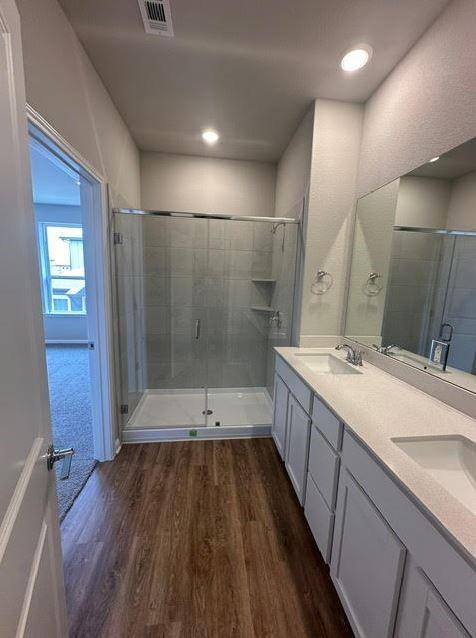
[(202, 539)]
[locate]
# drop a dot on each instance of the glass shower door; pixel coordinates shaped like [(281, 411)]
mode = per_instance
[(161, 267), (250, 283)]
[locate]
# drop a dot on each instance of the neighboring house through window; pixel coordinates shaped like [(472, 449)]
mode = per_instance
[(62, 268)]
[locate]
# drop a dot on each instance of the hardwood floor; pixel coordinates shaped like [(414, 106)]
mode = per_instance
[(202, 539)]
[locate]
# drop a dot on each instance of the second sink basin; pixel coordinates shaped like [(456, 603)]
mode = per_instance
[(451, 460), (326, 363)]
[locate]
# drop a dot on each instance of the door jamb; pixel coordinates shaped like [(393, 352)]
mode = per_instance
[(106, 443)]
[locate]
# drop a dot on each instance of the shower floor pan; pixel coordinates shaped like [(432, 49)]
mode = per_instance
[(178, 414)]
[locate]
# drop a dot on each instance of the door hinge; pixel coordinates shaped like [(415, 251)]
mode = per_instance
[(118, 238), (124, 409)]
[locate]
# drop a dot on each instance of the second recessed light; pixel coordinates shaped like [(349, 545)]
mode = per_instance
[(357, 58), (210, 136)]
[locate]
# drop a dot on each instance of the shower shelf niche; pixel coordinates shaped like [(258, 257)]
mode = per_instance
[(263, 280), (263, 309)]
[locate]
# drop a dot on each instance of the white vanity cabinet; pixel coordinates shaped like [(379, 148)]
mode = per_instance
[(396, 571), (280, 415), (297, 446), (422, 612), (322, 477), (292, 424), (367, 562)]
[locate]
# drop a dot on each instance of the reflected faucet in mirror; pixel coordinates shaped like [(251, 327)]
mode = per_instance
[(386, 349)]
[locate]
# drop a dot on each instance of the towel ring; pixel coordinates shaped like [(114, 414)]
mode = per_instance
[(372, 286), (322, 282)]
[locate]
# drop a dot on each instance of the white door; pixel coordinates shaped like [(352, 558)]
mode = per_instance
[(32, 601)]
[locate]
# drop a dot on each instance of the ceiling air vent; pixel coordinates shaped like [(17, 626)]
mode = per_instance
[(156, 16)]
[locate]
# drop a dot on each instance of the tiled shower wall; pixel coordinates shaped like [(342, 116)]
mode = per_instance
[(433, 281), (173, 272), (414, 267), (460, 309)]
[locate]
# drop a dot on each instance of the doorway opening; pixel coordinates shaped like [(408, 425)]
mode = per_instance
[(68, 215)]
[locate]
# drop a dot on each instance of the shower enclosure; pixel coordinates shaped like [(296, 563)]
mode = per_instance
[(432, 286), (201, 302)]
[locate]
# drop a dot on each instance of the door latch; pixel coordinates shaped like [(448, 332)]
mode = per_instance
[(66, 455)]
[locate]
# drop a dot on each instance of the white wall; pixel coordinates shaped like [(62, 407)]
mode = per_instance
[(462, 206), (62, 85), (371, 252), (423, 201), (335, 153), (292, 186), (206, 184), (425, 107), (294, 167)]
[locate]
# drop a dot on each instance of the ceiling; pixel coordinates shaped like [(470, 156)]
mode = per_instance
[(250, 69), (53, 181), (453, 164)]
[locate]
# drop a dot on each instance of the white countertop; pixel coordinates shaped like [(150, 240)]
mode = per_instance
[(378, 407)]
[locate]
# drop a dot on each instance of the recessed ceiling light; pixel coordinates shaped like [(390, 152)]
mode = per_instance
[(356, 58), (210, 136), (434, 159)]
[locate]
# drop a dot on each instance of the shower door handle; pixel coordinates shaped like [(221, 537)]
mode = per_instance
[(197, 329)]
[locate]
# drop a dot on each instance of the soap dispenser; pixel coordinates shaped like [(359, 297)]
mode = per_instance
[(440, 347)]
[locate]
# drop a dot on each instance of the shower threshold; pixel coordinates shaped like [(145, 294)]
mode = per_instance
[(178, 414)]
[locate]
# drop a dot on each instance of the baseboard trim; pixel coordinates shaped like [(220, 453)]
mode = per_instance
[(66, 342), (156, 435)]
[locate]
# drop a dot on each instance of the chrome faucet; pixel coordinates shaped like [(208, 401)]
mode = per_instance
[(385, 349), (353, 356)]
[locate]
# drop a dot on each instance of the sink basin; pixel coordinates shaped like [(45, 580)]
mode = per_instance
[(326, 363), (451, 460)]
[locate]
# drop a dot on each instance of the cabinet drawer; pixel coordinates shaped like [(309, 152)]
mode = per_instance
[(320, 519), (327, 423), (324, 467), (294, 383)]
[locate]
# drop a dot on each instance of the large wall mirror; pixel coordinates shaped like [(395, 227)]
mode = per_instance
[(412, 291)]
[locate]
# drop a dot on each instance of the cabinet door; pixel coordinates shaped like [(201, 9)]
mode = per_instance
[(422, 613), (297, 446), (367, 562), (281, 394)]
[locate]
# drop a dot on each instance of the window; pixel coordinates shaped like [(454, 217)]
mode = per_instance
[(62, 269)]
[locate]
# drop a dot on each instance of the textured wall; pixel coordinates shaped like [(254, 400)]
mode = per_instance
[(206, 184), (292, 177), (335, 152), (371, 253), (462, 206), (423, 201), (426, 105), (62, 85)]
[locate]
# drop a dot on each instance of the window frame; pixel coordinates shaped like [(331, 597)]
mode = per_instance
[(47, 277)]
